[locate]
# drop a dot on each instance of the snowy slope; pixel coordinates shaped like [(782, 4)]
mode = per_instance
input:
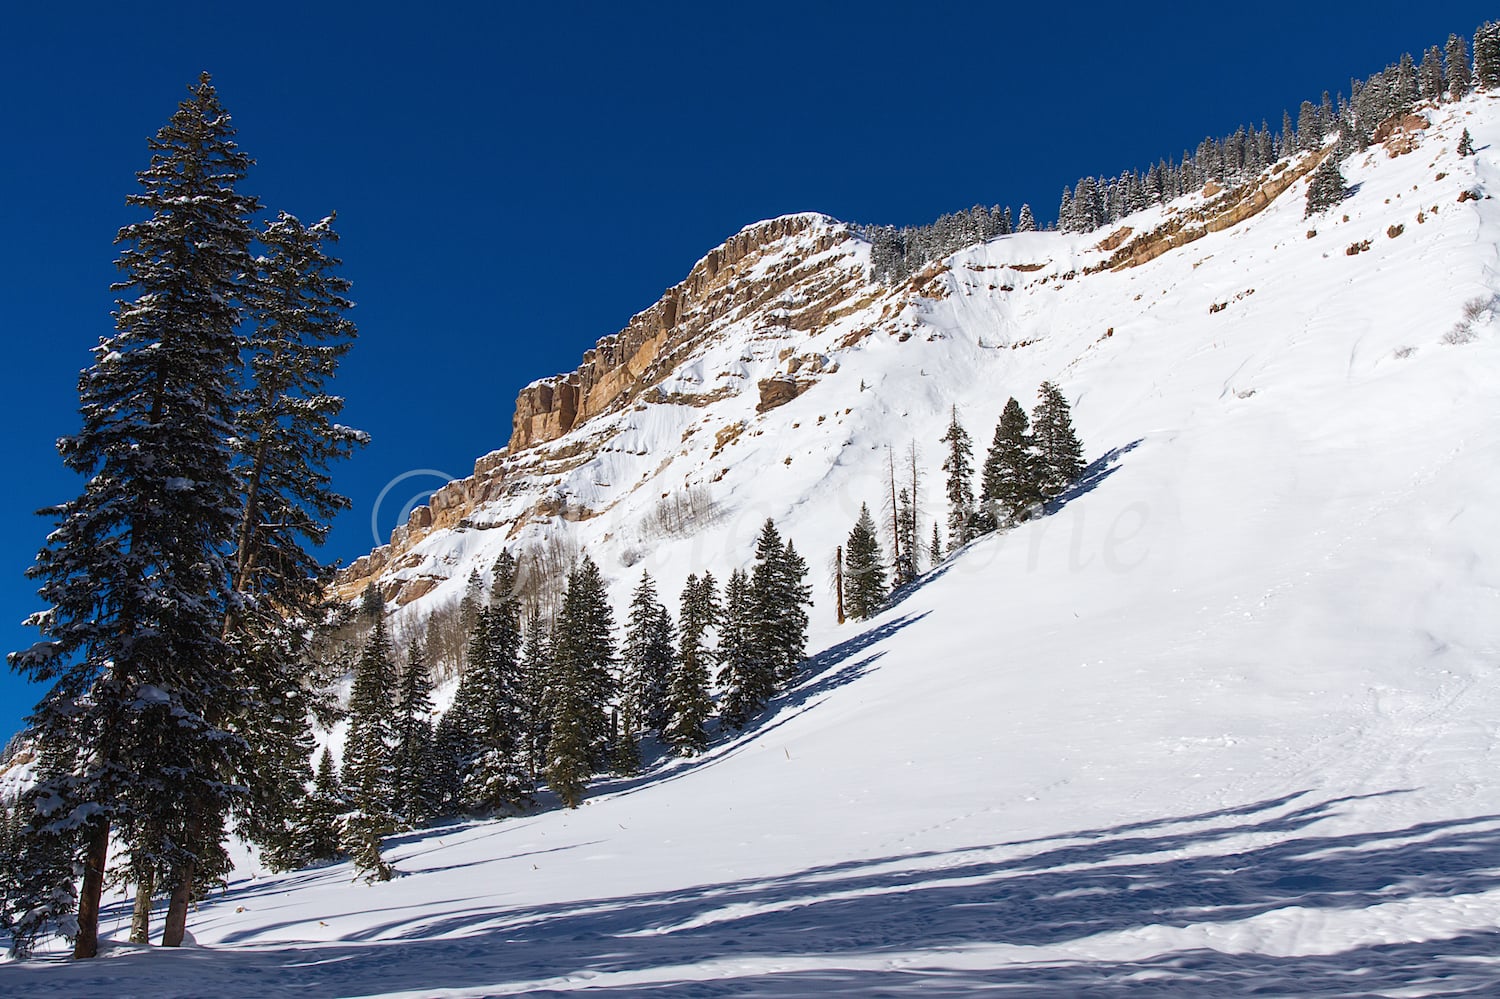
[(1224, 722)]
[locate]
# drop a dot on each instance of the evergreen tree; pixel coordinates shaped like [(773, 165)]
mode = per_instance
[(1460, 78), (960, 468), (36, 873), (1487, 56), (864, 573), (779, 597), (935, 548), (317, 822), (1326, 187), (1059, 454), (1430, 75), (688, 701), (907, 566), (1027, 221), (280, 756), (452, 757), (472, 603), (646, 661), (1010, 486), (746, 681), (1465, 144), (488, 698), (411, 750), (535, 671), (583, 685), (135, 574), (369, 764)]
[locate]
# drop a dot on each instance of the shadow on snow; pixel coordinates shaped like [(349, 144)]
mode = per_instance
[(886, 926)]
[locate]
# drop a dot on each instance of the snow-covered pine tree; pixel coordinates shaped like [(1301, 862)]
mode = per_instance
[(864, 571), (412, 749), (779, 596), (1466, 144), (369, 766), (36, 874), (746, 682), (646, 661), (1027, 222), (452, 755), (534, 674), (488, 698), (906, 567), (960, 468), (1487, 56), (1430, 75), (286, 437), (1459, 74), (583, 684), (1010, 487), (317, 821), (688, 701), (935, 547), (280, 757), (1059, 455), (472, 603), (135, 575), (1326, 187)]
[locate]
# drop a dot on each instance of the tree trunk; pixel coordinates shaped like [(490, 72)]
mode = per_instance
[(839, 580), (87, 942), (182, 892), (140, 920)]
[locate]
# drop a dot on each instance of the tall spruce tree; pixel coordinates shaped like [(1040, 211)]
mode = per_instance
[(1487, 56), (908, 565), (369, 764), (864, 572), (135, 575), (1325, 188), (745, 679), (960, 468), (1430, 75), (317, 822), (688, 700), (1010, 488), (1059, 455), (583, 684), (1460, 75), (411, 746), (779, 596), (488, 698), (646, 661), (37, 893), (534, 675)]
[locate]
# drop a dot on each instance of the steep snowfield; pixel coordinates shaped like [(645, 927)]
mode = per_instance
[(1223, 723)]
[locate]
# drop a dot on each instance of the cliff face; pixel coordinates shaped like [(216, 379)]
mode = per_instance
[(777, 276), (720, 286)]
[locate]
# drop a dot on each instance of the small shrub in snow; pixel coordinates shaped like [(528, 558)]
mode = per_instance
[(1477, 312)]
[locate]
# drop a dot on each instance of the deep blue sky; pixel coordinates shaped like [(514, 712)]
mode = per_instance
[(514, 181)]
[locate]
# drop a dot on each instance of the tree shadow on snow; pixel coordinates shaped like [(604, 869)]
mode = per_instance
[(910, 923), (821, 674)]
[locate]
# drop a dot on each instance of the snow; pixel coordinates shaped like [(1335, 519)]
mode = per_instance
[(1226, 722)]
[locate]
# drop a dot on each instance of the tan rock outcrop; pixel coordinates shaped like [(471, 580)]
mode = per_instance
[(621, 366)]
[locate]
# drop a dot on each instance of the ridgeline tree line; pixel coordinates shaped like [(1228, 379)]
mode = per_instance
[(1442, 74)]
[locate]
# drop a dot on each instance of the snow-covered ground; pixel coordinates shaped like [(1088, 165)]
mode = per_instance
[(1223, 723)]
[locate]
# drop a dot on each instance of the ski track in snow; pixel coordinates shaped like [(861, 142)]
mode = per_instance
[(1225, 723)]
